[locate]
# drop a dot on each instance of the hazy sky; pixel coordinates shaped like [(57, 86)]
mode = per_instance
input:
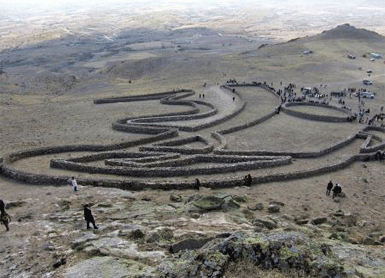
[(284, 19), (356, 6), (315, 3)]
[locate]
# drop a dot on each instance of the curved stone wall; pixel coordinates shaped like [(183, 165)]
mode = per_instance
[(179, 162), (147, 124), (332, 119), (369, 149), (87, 148), (314, 154), (249, 124), (164, 159), (171, 171), (221, 139), (32, 178), (143, 97)]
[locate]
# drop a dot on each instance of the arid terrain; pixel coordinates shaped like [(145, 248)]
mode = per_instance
[(54, 67)]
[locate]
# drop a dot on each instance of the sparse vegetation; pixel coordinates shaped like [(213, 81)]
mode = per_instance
[(247, 269), (47, 87)]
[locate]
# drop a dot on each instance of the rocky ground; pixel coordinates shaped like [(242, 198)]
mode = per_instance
[(194, 233), (284, 229)]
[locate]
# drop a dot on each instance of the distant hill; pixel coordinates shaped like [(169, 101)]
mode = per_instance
[(347, 31)]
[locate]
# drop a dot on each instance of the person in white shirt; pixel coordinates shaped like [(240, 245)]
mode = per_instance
[(74, 186)]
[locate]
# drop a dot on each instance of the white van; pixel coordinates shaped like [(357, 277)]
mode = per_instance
[(367, 95)]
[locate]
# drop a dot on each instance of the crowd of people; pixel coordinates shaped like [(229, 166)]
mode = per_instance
[(287, 94)]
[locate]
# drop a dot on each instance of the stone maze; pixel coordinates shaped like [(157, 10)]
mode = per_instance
[(172, 146)]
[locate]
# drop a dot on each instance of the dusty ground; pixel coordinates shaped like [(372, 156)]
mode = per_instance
[(42, 105)]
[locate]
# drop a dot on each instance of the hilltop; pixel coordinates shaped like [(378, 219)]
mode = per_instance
[(47, 94), (349, 32)]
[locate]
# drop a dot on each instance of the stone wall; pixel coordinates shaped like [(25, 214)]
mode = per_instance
[(87, 148), (296, 174), (144, 164), (221, 139), (143, 97), (179, 117), (176, 146), (314, 154), (323, 118), (173, 168), (255, 122), (249, 124), (178, 162), (369, 149), (147, 124), (32, 178), (181, 150)]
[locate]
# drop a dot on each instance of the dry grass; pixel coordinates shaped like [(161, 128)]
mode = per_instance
[(44, 119)]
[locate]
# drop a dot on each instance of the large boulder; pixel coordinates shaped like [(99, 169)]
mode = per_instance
[(319, 220), (189, 244), (230, 204), (265, 223), (240, 198), (101, 267), (277, 203), (105, 205), (80, 243), (176, 198), (258, 206), (273, 208), (339, 213), (301, 221), (209, 203)]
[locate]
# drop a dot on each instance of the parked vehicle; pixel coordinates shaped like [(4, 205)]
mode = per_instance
[(364, 94), (367, 82), (367, 95)]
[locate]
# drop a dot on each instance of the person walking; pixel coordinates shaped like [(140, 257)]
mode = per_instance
[(5, 218), (336, 190), (197, 184), (329, 188), (74, 186), (89, 217)]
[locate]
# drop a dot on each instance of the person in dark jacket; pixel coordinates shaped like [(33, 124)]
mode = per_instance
[(329, 188), (248, 180), (336, 190), (5, 218), (89, 217), (197, 184)]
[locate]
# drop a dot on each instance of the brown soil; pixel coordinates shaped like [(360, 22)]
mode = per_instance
[(46, 116)]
